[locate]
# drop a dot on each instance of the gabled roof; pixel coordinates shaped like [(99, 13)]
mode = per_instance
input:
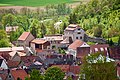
[(39, 41), (75, 44), (24, 36), (19, 73), (12, 64), (12, 54)]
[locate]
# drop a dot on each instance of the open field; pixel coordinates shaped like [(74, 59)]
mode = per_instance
[(33, 3)]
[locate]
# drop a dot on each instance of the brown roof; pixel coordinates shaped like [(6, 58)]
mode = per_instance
[(72, 27), (64, 68), (39, 41), (19, 73), (75, 69), (75, 44), (28, 60), (24, 36), (12, 64)]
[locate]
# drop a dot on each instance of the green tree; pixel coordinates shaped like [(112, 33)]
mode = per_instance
[(35, 28), (119, 41), (98, 31), (96, 67), (8, 19), (54, 73), (111, 43), (43, 30), (35, 75), (3, 34), (4, 42), (24, 22)]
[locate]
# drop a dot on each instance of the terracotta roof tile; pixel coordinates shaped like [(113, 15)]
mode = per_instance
[(24, 36), (75, 44), (19, 73), (39, 41), (12, 64)]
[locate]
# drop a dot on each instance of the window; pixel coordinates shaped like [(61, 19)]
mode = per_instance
[(78, 28), (76, 37), (36, 45), (79, 32), (80, 37)]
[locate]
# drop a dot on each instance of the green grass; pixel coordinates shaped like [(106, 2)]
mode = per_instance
[(33, 3), (90, 43)]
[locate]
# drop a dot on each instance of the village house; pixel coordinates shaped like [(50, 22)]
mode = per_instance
[(100, 48), (75, 32), (39, 44), (54, 40), (9, 29), (72, 49), (25, 39)]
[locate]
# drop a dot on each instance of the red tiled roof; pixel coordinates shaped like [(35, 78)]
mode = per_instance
[(12, 63), (39, 41), (75, 44), (19, 74), (75, 69), (64, 68), (24, 36)]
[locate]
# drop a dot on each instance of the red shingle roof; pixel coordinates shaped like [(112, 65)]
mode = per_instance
[(19, 74), (75, 44), (24, 36)]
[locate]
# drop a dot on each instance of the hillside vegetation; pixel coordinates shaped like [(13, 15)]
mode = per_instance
[(100, 18), (33, 2)]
